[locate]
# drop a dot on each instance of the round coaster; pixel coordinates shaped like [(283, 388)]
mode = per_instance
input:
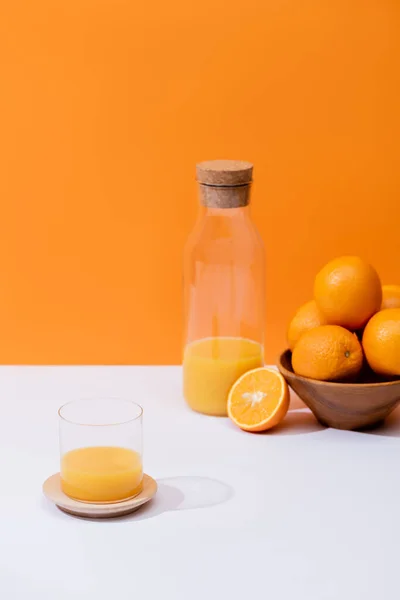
[(52, 490)]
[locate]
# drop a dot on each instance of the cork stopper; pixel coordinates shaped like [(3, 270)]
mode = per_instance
[(224, 183), (224, 172)]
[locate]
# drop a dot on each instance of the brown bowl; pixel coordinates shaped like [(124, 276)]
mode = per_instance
[(343, 405)]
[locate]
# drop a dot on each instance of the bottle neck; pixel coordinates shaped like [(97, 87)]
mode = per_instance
[(241, 212), (224, 197)]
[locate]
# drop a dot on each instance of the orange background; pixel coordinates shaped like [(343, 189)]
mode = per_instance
[(105, 107)]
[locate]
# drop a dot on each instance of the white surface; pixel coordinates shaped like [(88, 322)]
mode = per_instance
[(301, 513)]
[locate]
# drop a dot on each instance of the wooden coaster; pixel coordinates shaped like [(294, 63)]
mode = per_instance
[(52, 490)]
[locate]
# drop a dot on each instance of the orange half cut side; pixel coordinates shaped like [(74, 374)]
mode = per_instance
[(258, 400)]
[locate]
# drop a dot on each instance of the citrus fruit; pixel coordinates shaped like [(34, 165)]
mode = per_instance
[(307, 317), (258, 400), (348, 292), (328, 353), (381, 342), (390, 296)]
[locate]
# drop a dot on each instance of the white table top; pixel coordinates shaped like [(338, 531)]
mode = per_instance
[(300, 513)]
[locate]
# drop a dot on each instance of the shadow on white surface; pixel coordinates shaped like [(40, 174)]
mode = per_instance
[(184, 493), (388, 428), (174, 494), (297, 422)]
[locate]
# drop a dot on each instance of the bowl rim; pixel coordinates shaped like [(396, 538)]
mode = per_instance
[(335, 384)]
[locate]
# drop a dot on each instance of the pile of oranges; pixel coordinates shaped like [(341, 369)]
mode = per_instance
[(351, 320), (350, 329)]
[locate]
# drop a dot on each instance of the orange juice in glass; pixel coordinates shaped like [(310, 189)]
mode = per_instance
[(101, 450)]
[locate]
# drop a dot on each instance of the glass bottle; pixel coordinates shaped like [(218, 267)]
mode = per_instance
[(224, 288)]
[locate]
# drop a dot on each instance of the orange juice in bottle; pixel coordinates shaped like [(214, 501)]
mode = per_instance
[(224, 288)]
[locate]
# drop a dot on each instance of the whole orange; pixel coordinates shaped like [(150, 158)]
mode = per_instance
[(390, 296), (381, 342), (328, 353), (348, 292), (307, 317)]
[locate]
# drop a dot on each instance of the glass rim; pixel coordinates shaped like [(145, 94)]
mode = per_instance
[(82, 400)]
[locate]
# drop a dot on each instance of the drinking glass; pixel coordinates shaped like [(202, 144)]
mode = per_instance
[(101, 449)]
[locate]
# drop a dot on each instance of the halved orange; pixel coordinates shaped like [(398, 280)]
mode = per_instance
[(258, 400)]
